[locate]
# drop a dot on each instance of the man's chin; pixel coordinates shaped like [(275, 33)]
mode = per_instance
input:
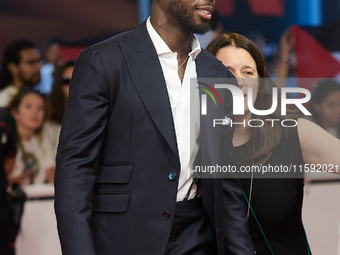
[(201, 29)]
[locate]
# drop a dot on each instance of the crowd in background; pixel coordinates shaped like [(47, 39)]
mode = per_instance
[(34, 91), (37, 106)]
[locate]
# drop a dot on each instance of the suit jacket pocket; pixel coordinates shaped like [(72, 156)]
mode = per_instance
[(110, 202), (114, 173)]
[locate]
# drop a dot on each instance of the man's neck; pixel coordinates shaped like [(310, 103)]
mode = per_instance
[(174, 35)]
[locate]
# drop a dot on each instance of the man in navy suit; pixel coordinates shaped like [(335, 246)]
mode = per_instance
[(124, 182)]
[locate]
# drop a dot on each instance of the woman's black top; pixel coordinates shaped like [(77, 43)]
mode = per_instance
[(277, 202)]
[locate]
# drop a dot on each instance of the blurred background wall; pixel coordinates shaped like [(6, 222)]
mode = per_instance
[(80, 20), (39, 20)]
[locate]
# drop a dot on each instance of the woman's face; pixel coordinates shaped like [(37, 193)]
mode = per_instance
[(242, 65), (67, 75), (31, 112), (329, 109)]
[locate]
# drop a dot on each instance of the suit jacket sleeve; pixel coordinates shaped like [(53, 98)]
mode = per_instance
[(217, 148), (237, 236), (82, 133)]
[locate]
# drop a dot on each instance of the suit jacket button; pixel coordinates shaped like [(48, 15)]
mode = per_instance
[(166, 215), (172, 176)]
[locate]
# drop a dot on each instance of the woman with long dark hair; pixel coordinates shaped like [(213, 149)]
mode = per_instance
[(273, 204)]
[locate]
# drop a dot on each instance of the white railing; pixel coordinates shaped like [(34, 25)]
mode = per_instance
[(321, 217), (38, 233)]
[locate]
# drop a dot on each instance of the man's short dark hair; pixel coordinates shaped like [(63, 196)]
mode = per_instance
[(12, 55)]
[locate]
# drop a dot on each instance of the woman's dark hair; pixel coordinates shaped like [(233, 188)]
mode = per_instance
[(324, 88), (57, 101), (12, 55), (265, 139), (14, 106)]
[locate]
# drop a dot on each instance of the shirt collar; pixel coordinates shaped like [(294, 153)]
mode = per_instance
[(163, 48)]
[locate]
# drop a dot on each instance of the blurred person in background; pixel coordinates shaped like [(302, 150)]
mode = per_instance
[(274, 205), (325, 106), (34, 162), (284, 60), (20, 67), (8, 139), (57, 102), (50, 66), (260, 41)]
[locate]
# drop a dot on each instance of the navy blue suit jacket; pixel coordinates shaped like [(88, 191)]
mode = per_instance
[(117, 147)]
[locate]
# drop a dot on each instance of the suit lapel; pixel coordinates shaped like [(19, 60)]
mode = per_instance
[(207, 67), (147, 75)]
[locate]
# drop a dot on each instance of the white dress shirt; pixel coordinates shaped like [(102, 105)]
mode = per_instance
[(184, 100)]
